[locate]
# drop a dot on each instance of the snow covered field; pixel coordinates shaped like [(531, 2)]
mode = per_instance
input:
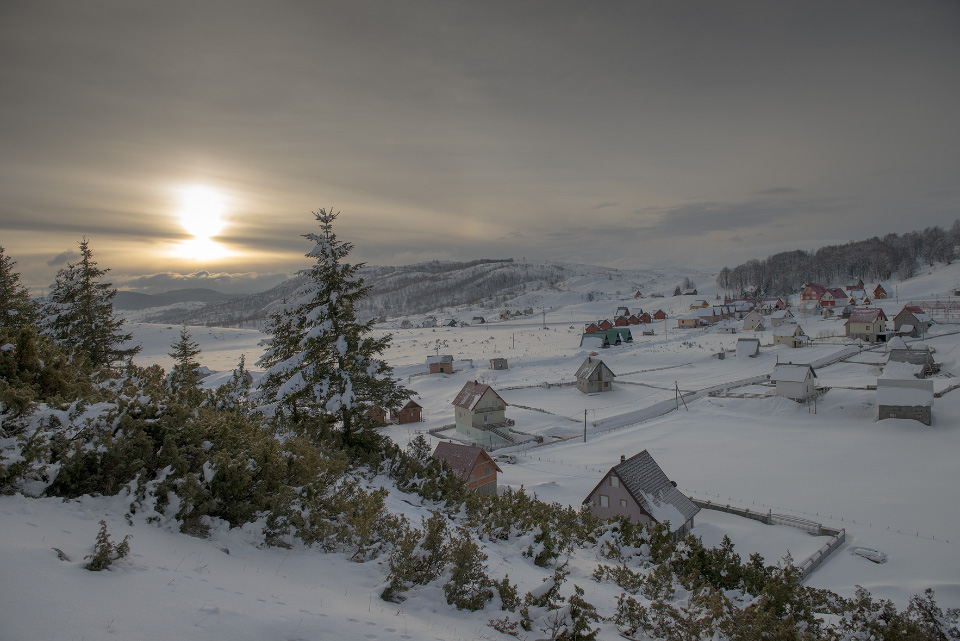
[(892, 485)]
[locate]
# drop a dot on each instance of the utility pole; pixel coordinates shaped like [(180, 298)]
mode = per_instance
[(544, 310), (584, 426)]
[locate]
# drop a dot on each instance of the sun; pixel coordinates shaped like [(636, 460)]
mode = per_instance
[(201, 213)]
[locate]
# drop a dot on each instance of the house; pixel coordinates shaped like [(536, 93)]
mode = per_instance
[(449, 322), (638, 489), (748, 347), (440, 364), (918, 355), (753, 321), (853, 285), (909, 399), (794, 381), (430, 321), (638, 294), (478, 320), (471, 463), (481, 414), (620, 321), (605, 325), (689, 321), (645, 318), (659, 315), (406, 324), (710, 315), (606, 338), (591, 328), (868, 324), (594, 376), (622, 311), (770, 305), (833, 296), (790, 335), (881, 291), (498, 363), (914, 317), (812, 292), (633, 319), (726, 327), (690, 292), (377, 416), (858, 296), (781, 317), (412, 412), (699, 304)]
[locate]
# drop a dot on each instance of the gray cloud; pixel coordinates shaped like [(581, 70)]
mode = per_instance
[(776, 191), (229, 283), (605, 205), (62, 258)]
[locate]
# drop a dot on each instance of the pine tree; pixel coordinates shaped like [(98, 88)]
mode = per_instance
[(79, 314), (16, 307), (322, 362), (185, 374)]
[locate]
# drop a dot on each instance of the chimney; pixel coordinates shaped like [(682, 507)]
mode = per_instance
[(623, 458)]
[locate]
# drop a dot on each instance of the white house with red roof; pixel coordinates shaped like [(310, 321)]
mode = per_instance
[(868, 324), (481, 415)]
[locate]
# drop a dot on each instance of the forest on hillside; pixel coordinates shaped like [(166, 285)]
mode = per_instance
[(874, 259)]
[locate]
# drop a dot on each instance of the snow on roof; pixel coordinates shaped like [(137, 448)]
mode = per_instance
[(792, 373), (592, 341), (897, 343), (817, 287), (788, 330), (589, 366), (905, 392), (897, 370), (442, 358), (652, 490), (471, 393), (462, 458), (870, 315), (782, 313)]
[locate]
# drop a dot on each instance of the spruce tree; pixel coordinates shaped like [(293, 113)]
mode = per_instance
[(16, 307), (185, 374), (322, 362)]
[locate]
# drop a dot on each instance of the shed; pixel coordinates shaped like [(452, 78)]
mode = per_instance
[(440, 364), (908, 399), (790, 335), (478, 320), (471, 463), (412, 412), (638, 489), (796, 382), (594, 376), (498, 363)]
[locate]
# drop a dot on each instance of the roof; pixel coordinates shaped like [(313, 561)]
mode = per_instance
[(870, 315), (905, 393), (792, 373), (471, 393), (442, 358), (411, 404), (837, 292), (652, 490), (788, 330), (462, 458), (782, 313), (816, 287), (590, 365)]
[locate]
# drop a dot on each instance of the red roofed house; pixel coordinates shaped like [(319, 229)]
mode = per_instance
[(592, 328), (812, 291), (867, 324), (832, 297), (472, 464), (659, 315), (854, 284), (633, 319), (605, 325), (621, 321), (911, 321), (481, 414), (645, 318)]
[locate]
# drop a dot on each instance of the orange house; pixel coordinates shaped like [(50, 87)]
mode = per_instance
[(412, 412), (471, 463)]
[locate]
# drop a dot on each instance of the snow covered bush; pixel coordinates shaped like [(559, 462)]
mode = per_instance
[(105, 552)]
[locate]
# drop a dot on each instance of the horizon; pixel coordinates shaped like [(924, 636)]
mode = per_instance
[(190, 143)]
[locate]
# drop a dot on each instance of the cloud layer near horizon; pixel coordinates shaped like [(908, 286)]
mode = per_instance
[(697, 131)]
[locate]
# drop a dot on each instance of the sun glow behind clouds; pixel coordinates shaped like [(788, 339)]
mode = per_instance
[(202, 216)]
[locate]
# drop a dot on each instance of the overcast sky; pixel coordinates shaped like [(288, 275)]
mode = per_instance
[(628, 134)]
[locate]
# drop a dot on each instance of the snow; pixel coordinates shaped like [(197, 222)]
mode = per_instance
[(889, 484)]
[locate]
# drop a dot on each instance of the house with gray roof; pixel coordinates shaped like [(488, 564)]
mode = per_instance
[(480, 414), (638, 489), (794, 381), (471, 463), (748, 347), (594, 376)]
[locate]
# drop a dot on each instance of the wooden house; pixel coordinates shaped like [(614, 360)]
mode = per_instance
[(633, 319), (620, 321), (689, 321), (645, 318), (753, 321), (911, 321), (480, 414), (440, 364), (881, 291), (605, 324), (406, 324), (789, 335), (594, 376), (591, 328), (638, 294), (908, 399), (471, 463), (622, 311), (812, 292), (377, 416), (412, 412), (867, 324), (796, 382), (699, 304), (638, 489), (659, 315)]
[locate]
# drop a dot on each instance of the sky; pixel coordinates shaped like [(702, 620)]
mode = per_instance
[(190, 142)]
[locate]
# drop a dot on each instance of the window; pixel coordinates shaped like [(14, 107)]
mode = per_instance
[(604, 500), (614, 481), (623, 502)]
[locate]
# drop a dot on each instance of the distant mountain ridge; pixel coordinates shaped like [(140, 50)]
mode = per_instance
[(126, 300), (431, 287)]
